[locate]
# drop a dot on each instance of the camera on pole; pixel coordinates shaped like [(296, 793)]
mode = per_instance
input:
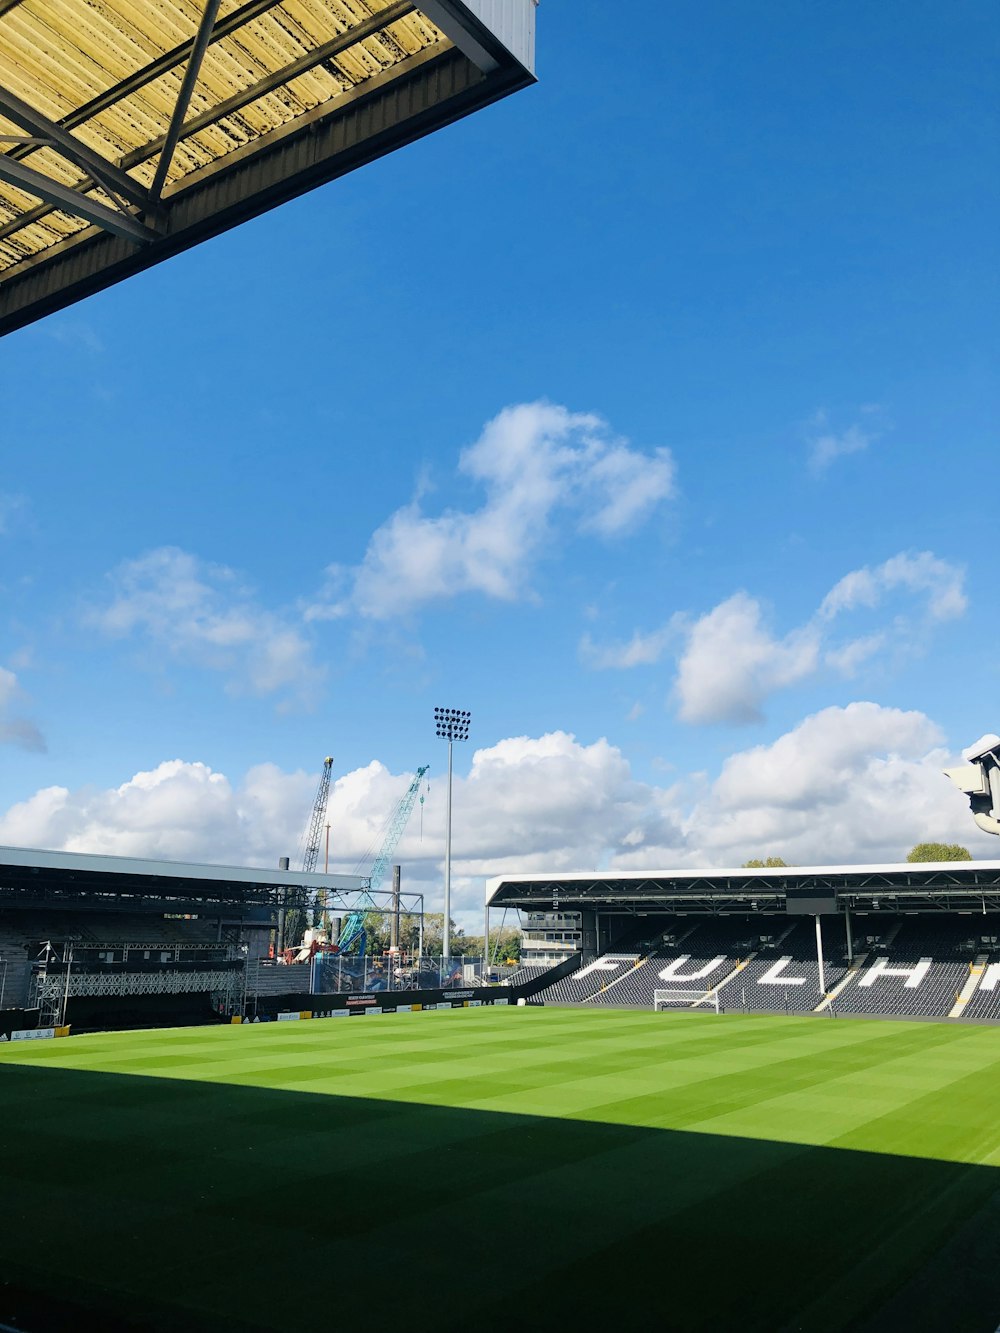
[(979, 778)]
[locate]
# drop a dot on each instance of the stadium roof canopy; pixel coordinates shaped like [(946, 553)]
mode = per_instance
[(32, 878), (133, 129), (963, 886)]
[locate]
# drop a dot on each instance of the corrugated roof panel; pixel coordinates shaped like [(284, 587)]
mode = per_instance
[(109, 72), (58, 55)]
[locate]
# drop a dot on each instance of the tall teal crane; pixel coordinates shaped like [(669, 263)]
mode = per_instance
[(353, 929)]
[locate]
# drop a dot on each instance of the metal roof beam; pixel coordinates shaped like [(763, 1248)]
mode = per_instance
[(202, 38), (443, 15), (327, 51), (165, 63), (71, 201), (342, 42), (106, 174)]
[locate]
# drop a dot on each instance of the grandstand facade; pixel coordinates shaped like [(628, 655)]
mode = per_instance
[(907, 940), (107, 941)]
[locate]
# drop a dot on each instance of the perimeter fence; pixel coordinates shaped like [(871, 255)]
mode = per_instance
[(334, 974)]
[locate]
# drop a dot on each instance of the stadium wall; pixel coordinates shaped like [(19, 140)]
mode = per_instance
[(383, 1002)]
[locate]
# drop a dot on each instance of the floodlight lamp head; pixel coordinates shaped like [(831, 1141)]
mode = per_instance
[(452, 723)]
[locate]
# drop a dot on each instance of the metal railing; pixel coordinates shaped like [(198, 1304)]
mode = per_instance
[(335, 974)]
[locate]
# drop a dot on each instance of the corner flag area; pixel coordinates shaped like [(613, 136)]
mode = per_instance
[(517, 1167)]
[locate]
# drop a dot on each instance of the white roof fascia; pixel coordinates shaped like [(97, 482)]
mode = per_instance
[(511, 23), (772, 872), (86, 863)]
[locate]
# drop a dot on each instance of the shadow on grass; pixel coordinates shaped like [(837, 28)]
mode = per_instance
[(167, 1204)]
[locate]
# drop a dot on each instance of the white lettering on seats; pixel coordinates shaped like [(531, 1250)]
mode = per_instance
[(773, 977), (990, 978), (599, 965), (672, 971), (880, 968)]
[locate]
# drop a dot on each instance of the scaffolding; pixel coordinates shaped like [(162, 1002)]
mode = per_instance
[(52, 990)]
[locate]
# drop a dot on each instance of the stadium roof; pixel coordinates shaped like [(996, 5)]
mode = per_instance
[(133, 129), (947, 885), (29, 876)]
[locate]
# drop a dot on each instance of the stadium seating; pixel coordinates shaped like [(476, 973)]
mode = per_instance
[(98, 942), (590, 980), (985, 1003), (527, 972), (779, 971), (920, 973), (15, 966), (783, 976)]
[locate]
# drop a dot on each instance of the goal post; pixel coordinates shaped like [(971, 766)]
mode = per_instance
[(690, 998)]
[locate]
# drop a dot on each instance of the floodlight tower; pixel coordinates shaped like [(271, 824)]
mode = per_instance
[(453, 725)]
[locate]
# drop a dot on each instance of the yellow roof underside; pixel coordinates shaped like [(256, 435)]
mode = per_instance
[(58, 55)]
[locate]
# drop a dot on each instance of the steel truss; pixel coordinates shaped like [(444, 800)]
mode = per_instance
[(131, 225), (51, 990), (963, 886)]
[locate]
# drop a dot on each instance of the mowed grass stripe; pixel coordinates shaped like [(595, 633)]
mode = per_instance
[(597, 1198)]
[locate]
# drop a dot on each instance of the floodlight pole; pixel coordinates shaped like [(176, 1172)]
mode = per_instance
[(446, 939), (452, 724)]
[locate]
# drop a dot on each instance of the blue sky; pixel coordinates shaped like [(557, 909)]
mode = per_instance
[(650, 414)]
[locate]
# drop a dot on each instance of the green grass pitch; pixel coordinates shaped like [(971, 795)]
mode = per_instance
[(522, 1168)]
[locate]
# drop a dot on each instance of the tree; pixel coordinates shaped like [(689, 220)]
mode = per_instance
[(938, 851), (772, 863)]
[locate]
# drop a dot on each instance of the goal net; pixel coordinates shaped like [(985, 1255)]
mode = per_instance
[(686, 997)]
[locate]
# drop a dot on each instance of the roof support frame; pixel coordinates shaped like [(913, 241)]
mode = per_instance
[(71, 201), (201, 41), (423, 86), (334, 47), (317, 56), (103, 172)]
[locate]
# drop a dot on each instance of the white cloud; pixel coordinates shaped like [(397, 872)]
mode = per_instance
[(847, 785), (640, 650), (941, 582), (827, 445), (533, 461), (730, 662), (14, 728), (198, 614), (177, 811)]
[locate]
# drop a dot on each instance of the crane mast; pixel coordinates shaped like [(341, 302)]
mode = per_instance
[(315, 830), (353, 928), (400, 819)]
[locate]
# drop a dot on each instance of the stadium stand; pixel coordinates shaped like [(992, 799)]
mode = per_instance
[(526, 973), (783, 976), (15, 966), (136, 941), (691, 956), (697, 958), (907, 967), (591, 979), (922, 969), (985, 1001)]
